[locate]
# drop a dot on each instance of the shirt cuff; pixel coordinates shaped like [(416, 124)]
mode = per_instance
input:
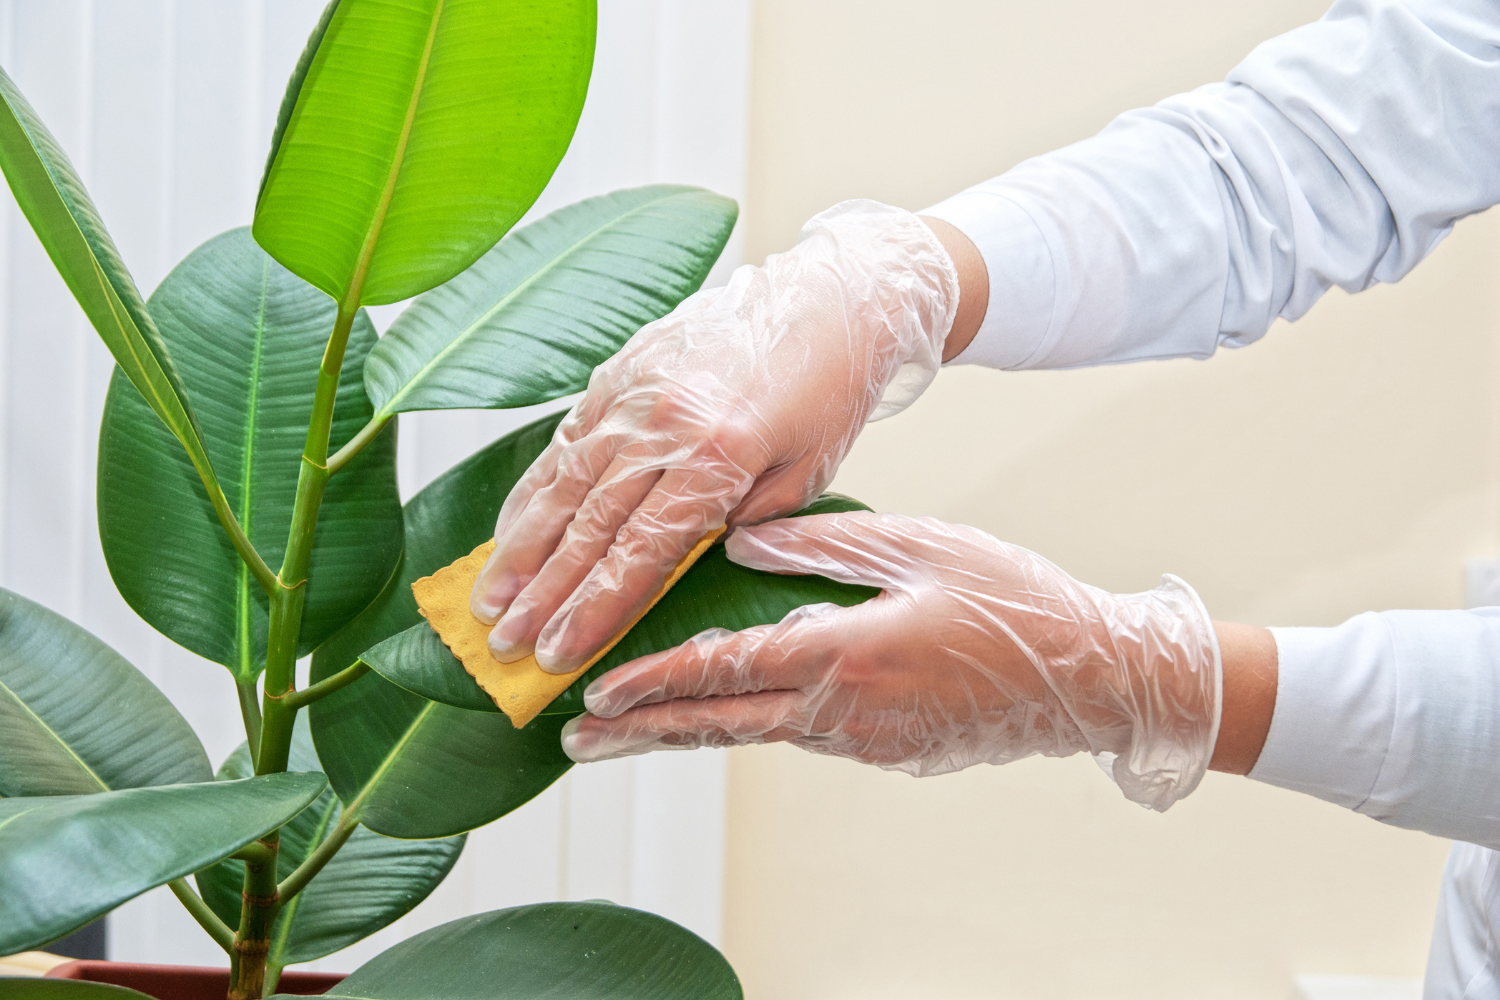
[(1396, 716), (1335, 706), (1021, 276)]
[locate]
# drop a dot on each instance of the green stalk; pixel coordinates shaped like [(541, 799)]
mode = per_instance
[(250, 712), (286, 602), (367, 433), (314, 862), (207, 918), (327, 686), (252, 942)]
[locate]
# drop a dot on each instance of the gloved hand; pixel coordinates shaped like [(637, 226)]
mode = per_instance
[(975, 651), (737, 406)]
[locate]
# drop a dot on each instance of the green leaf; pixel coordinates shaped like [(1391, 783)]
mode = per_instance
[(578, 951), (421, 131), (406, 766), (249, 336), (530, 320), (294, 87), (77, 718), (61, 213), (370, 882), (38, 988), (715, 593), (66, 859)]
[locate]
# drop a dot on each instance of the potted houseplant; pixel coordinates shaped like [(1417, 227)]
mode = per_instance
[(248, 510)]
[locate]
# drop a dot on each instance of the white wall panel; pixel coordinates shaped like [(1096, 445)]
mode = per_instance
[(166, 107)]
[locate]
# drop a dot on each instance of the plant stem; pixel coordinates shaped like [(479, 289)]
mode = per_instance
[(239, 539), (301, 699), (250, 712), (207, 918), (273, 977), (367, 433), (252, 943), (255, 851), (314, 862), (287, 600)]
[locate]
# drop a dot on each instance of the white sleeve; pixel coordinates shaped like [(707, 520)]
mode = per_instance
[(1339, 153), (1395, 715)]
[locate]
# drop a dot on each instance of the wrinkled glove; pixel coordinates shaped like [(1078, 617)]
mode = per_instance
[(976, 651), (738, 406)]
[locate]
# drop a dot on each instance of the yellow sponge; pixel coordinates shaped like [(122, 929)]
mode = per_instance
[(521, 689)]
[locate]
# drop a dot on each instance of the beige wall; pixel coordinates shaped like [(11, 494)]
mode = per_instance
[(1346, 463)]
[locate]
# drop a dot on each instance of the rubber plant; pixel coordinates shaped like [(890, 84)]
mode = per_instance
[(248, 510)]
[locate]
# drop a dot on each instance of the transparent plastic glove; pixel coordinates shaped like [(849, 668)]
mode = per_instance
[(736, 407), (976, 652)]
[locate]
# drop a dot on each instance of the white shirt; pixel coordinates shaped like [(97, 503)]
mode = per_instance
[(1340, 154)]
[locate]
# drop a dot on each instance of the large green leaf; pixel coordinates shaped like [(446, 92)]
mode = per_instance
[(66, 859), (420, 132), (77, 718), (38, 988), (249, 336), (566, 951), (715, 593), (370, 882), (63, 216), (294, 88), (406, 766), (534, 316)]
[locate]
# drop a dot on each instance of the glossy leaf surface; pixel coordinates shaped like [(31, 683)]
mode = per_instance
[(420, 132), (77, 718), (530, 320), (66, 859), (407, 766), (715, 593), (370, 882), (578, 951), (63, 216), (248, 336)]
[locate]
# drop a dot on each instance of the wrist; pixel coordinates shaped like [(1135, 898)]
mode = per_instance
[(973, 285), (1251, 674)]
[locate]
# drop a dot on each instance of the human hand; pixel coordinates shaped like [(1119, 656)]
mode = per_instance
[(736, 407), (976, 651)]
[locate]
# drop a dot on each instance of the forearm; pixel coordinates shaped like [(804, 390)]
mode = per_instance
[(1395, 715), (1329, 157)]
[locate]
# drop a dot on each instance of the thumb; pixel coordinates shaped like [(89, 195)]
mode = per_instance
[(858, 547)]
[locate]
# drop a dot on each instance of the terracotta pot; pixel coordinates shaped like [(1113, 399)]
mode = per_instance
[(184, 982)]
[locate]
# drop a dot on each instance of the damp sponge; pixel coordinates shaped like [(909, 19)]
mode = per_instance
[(520, 689)]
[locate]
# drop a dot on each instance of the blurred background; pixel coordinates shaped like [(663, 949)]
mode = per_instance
[(1344, 464)]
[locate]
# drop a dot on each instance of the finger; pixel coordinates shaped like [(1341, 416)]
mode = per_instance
[(584, 542), (682, 508), (717, 662), (534, 533), (764, 717), (857, 547), (777, 493)]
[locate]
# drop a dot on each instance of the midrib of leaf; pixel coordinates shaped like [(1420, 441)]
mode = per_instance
[(11, 819), (377, 221), (53, 733), (242, 585), (390, 759), (386, 410), (283, 930)]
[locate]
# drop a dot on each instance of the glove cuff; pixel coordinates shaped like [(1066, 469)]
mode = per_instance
[(907, 271), (1178, 698)]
